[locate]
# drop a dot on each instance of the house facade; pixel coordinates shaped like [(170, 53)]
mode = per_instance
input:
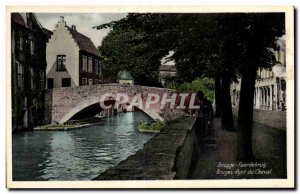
[(270, 86), (72, 58), (166, 72), (28, 63), (167, 68)]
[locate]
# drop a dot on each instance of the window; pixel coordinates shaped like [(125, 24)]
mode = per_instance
[(84, 81), (90, 65), (96, 67), (65, 82), (61, 62), (100, 69), (21, 40), (32, 83), (20, 75), (283, 58), (90, 81), (279, 56), (84, 63), (31, 42), (49, 83), (96, 81)]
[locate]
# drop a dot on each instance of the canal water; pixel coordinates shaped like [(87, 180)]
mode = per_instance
[(80, 154)]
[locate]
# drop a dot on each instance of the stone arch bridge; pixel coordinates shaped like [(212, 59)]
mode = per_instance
[(63, 103)]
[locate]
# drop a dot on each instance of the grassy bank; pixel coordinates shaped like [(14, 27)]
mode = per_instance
[(74, 124), (154, 127)]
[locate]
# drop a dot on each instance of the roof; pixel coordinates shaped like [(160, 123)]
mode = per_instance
[(170, 68), (124, 75), (17, 18), (48, 33), (84, 43)]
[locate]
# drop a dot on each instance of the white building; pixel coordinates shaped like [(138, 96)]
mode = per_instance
[(167, 68), (270, 87), (72, 58)]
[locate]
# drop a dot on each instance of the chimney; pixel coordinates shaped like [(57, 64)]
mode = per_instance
[(62, 19), (73, 27)]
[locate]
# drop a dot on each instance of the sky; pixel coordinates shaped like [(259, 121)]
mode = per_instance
[(83, 21), (166, 61)]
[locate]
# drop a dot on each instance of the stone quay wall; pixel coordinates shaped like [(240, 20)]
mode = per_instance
[(167, 155)]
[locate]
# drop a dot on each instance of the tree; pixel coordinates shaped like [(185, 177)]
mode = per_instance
[(187, 34), (118, 53), (221, 46), (258, 33), (199, 43), (218, 95)]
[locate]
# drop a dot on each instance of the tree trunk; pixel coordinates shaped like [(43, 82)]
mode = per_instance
[(218, 95), (227, 117), (245, 115)]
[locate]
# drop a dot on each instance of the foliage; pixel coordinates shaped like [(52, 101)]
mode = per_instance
[(203, 43), (151, 127), (172, 85), (224, 45), (206, 85), (58, 126), (118, 53)]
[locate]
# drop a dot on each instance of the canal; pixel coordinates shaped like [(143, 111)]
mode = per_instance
[(80, 154)]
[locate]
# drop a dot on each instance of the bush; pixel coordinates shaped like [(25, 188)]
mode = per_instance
[(206, 85), (155, 126)]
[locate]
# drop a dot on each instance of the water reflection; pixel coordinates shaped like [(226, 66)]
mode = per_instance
[(79, 154)]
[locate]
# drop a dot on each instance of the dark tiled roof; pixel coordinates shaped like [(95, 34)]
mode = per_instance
[(84, 42), (167, 68), (48, 33), (17, 18)]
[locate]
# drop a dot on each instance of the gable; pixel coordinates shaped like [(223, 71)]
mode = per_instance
[(62, 43)]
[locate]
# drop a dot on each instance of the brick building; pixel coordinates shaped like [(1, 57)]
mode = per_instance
[(28, 63)]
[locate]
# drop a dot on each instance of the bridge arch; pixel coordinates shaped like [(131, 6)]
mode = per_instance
[(79, 107), (83, 105), (63, 103)]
